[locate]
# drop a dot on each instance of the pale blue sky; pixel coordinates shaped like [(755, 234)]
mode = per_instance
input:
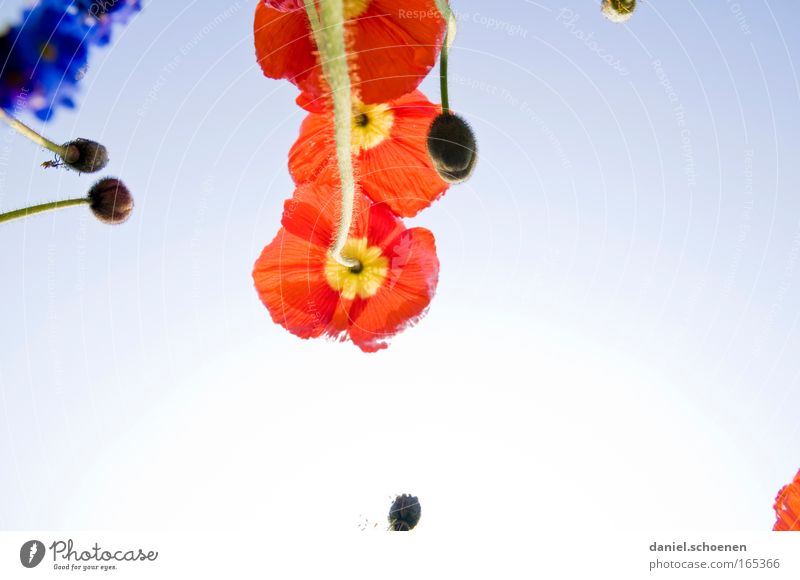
[(617, 306)]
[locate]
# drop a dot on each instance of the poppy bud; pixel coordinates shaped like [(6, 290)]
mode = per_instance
[(85, 156), (404, 513), (110, 201), (452, 148), (618, 10)]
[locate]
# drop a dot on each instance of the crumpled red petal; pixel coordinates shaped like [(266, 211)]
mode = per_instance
[(398, 171), (290, 280), (392, 47), (787, 507)]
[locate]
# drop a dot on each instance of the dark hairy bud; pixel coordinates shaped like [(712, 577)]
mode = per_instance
[(85, 155), (110, 201), (404, 513), (452, 148)]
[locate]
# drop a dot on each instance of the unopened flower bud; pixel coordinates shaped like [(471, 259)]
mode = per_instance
[(85, 155), (618, 10), (404, 513), (111, 201), (452, 148)]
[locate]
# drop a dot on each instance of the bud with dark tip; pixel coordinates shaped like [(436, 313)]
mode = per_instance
[(110, 201), (404, 513), (85, 155), (452, 148), (618, 10)]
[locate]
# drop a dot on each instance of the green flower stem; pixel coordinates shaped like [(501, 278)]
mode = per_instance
[(313, 18), (443, 79), (449, 37), (34, 209), (26, 131), (444, 9), (328, 29)]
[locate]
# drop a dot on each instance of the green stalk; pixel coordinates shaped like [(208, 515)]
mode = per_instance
[(449, 37), (34, 209), (328, 30), (443, 79), (26, 131)]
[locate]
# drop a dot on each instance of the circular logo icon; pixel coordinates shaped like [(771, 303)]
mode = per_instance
[(31, 553)]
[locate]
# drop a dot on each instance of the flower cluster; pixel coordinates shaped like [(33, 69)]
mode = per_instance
[(46, 54), (385, 275)]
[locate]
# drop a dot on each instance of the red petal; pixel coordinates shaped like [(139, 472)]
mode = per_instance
[(399, 170), (285, 5), (288, 277), (395, 46), (787, 507), (384, 226), (285, 49), (405, 294), (314, 149), (392, 47), (313, 212)]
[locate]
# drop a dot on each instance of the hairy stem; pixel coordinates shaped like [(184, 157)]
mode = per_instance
[(328, 29), (34, 209), (26, 131)]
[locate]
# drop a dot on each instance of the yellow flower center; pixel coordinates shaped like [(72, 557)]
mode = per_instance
[(371, 125), (354, 8), (362, 280)]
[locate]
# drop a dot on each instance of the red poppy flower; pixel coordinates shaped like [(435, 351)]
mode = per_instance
[(389, 150), (787, 507), (393, 44), (311, 295)]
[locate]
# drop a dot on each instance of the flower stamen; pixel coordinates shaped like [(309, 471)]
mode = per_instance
[(371, 125), (365, 277), (355, 8)]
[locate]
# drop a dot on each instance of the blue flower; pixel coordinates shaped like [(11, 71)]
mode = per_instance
[(46, 54), (101, 14)]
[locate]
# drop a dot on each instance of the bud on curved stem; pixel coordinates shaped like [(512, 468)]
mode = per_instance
[(110, 201), (85, 155), (82, 155), (451, 142)]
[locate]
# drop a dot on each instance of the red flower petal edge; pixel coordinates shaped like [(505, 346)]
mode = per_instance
[(787, 507)]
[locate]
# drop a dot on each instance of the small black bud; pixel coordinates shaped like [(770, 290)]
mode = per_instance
[(452, 148), (618, 10), (111, 201), (85, 156), (404, 513)]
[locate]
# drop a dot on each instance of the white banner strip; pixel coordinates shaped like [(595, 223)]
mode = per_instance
[(380, 554)]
